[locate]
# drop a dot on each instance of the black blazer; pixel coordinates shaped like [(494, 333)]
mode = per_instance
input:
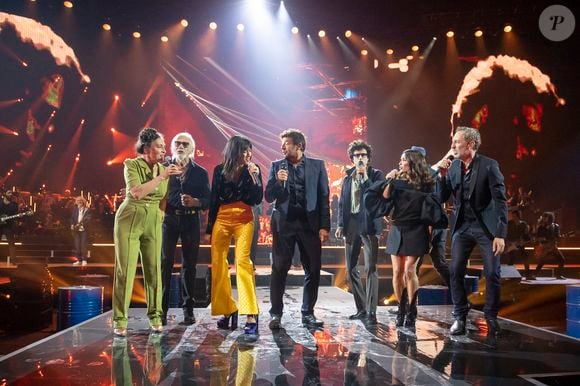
[(317, 195), (75, 217), (367, 224), (486, 194)]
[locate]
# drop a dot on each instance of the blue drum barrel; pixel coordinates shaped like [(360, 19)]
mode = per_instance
[(573, 310), (77, 304)]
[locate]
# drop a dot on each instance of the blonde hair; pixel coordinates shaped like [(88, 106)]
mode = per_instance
[(83, 200)]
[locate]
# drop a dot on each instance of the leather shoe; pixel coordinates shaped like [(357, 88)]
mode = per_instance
[(359, 315), (458, 327), (493, 327), (311, 321), (275, 322), (188, 320), (372, 318)]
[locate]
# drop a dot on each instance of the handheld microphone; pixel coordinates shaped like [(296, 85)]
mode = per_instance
[(450, 157), (284, 166)]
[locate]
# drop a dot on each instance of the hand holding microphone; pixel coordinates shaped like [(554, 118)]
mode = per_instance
[(254, 172), (282, 174)]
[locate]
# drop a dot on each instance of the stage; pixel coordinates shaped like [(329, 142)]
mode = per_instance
[(343, 352)]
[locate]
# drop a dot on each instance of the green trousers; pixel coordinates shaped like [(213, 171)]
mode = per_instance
[(137, 231)]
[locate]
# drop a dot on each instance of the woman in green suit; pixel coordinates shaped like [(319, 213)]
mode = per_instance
[(138, 229)]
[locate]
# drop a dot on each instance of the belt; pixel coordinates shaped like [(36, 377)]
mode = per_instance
[(185, 212)]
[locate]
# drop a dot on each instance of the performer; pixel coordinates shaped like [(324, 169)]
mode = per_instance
[(8, 207), (236, 187), (138, 229), (80, 220), (360, 229), (404, 191), (548, 234), (518, 234), (301, 216), (188, 194), (478, 190)]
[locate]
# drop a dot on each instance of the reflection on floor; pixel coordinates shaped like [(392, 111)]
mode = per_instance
[(343, 352)]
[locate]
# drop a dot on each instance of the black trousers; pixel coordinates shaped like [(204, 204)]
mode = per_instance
[(464, 240), (283, 244), (185, 227), (81, 244)]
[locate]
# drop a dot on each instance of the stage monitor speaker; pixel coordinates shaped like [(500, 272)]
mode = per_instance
[(509, 272)]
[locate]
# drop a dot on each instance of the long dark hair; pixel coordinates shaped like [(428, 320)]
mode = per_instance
[(418, 174), (233, 152)]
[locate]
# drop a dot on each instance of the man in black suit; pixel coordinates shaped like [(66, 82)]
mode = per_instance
[(480, 207), (301, 216), (187, 195), (360, 229), (80, 222)]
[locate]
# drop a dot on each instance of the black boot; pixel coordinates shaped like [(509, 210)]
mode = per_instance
[(402, 309), (412, 312)]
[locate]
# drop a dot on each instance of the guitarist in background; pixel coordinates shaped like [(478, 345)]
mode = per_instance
[(547, 235), (8, 207)]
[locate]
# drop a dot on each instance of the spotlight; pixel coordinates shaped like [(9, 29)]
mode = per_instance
[(390, 51), (478, 33), (364, 52), (112, 130), (507, 28), (109, 163), (404, 68), (68, 4), (213, 25), (294, 30), (415, 48), (164, 39), (321, 33), (450, 34), (240, 27), (403, 62), (348, 33), (107, 27), (409, 57), (136, 34), (116, 97), (184, 23), (375, 64)]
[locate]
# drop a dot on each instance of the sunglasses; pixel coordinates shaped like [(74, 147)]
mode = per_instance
[(184, 144), (362, 155)]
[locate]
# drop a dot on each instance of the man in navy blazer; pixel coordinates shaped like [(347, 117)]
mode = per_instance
[(360, 229), (480, 207), (299, 187)]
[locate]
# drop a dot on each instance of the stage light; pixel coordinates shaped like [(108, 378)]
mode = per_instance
[(321, 33), (390, 51), (450, 34), (85, 89), (295, 30), (164, 39), (107, 27), (68, 4), (213, 25), (109, 163), (240, 27), (136, 34), (116, 97), (415, 48), (478, 33), (375, 63), (112, 130), (184, 23), (403, 62), (364, 52), (404, 68), (507, 28), (348, 33), (409, 57)]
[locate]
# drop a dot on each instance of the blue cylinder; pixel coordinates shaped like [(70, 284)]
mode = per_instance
[(573, 310), (175, 291), (77, 304), (434, 295)]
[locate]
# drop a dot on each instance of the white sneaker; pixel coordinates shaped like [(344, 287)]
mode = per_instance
[(78, 262), (84, 263)]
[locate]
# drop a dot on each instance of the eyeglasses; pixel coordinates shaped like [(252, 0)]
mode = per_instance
[(184, 144), (360, 155)]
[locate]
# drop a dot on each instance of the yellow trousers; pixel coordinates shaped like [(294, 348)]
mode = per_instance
[(233, 220)]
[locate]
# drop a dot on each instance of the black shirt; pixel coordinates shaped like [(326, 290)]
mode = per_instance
[(468, 214), (227, 192), (194, 181), (297, 188)]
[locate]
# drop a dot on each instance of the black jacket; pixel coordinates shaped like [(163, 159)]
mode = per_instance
[(368, 225), (486, 194)]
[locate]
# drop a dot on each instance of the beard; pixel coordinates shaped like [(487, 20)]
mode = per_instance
[(181, 159)]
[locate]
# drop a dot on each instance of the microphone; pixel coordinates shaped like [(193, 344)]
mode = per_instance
[(359, 176), (284, 166), (450, 157), (256, 178)]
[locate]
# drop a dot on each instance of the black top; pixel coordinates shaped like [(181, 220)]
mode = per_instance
[(548, 233), (194, 181), (227, 192), (297, 186)]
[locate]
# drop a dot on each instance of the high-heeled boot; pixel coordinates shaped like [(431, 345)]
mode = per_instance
[(402, 309), (411, 316), (224, 322), (251, 328)]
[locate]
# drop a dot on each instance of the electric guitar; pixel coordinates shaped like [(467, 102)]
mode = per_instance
[(3, 219)]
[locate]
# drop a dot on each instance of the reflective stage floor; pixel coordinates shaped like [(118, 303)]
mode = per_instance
[(343, 352)]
